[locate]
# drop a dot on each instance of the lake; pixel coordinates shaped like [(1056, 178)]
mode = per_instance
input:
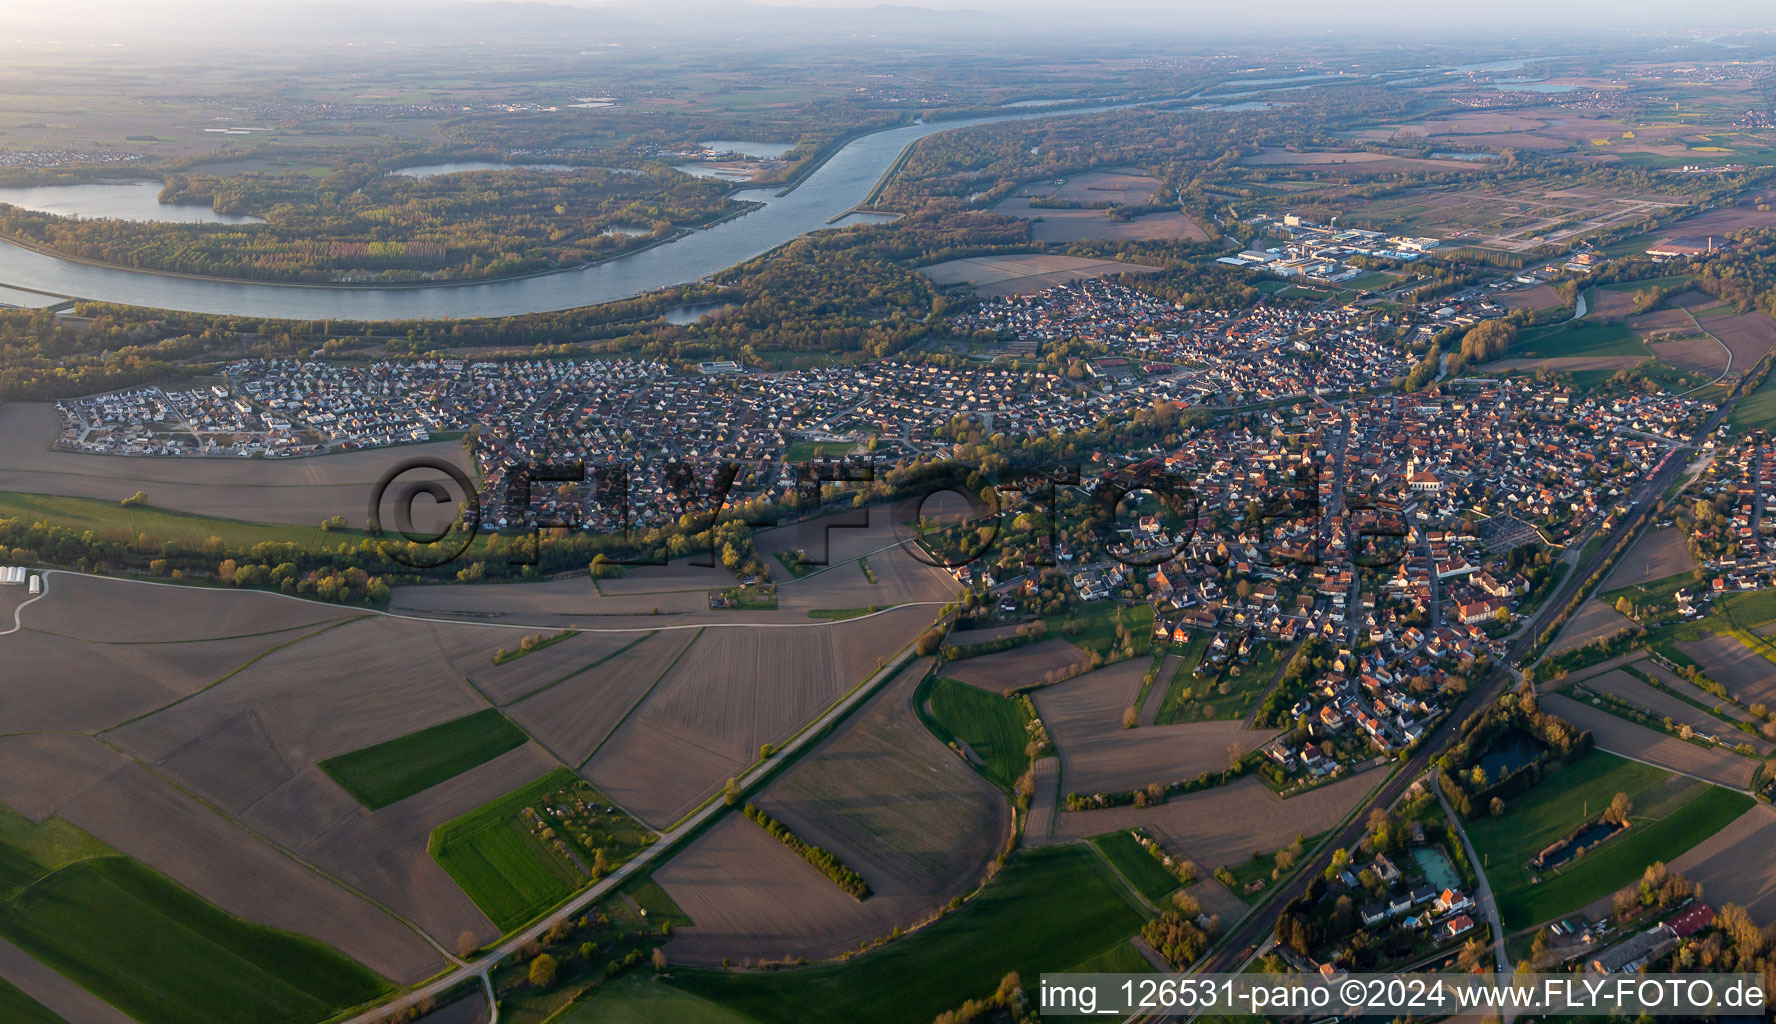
[(1510, 751), (121, 200), (839, 184)]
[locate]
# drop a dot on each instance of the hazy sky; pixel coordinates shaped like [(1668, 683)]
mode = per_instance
[(1544, 21)]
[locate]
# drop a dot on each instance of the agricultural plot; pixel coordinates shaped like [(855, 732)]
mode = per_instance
[(1022, 275), (1734, 865), (1584, 339), (1658, 555), (1596, 621), (1098, 755), (887, 799), (1045, 661), (1756, 411), (378, 776), (386, 854), (990, 731), (300, 492), (637, 998), (731, 692), (1661, 705), (141, 815), (1749, 336), (1362, 161), (521, 854), (1670, 818), (1539, 297), (1747, 675), (574, 715), (470, 649), (165, 957), (1133, 862), (1225, 824), (1048, 907), (32, 993), (1630, 739)]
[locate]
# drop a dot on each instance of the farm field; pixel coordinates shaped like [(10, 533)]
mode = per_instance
[(378, 776), (730, 693), (19, 1008), (1585, 339), (1658, 555), (1665, 705), (1098, 755), (991, 730), (886, 798), (1620, 736), (1134, 863), (574, 715), (1757, 410), (521, 854), (298, 492), (1224, 824), (1734, 865), (1048, 909), (1747, 675), (1686, 813), (166, 957), (638, 999), (1538, 297), (1021, 275), (1596, 621), (1045, 661)]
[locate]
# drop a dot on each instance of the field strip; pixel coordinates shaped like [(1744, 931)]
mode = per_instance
[(576, 672), (285, 851), (359, 613), (602, 740), (254, 660), (587, 897)]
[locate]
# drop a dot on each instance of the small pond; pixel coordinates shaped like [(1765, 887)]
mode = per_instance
[(1437, 868)]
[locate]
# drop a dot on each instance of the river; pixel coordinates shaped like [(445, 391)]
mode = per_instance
[(841, 183)]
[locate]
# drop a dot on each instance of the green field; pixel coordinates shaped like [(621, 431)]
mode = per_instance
[(511, 874), (1049, 909), (1756, 411), (109, 518), (18, 1008), (380, 775), (660, 907), (1096, 626), (152, 949), (28, 852), (992, 726), (1141, 868), (1579, 792), (638, 998), (1579, 339)]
